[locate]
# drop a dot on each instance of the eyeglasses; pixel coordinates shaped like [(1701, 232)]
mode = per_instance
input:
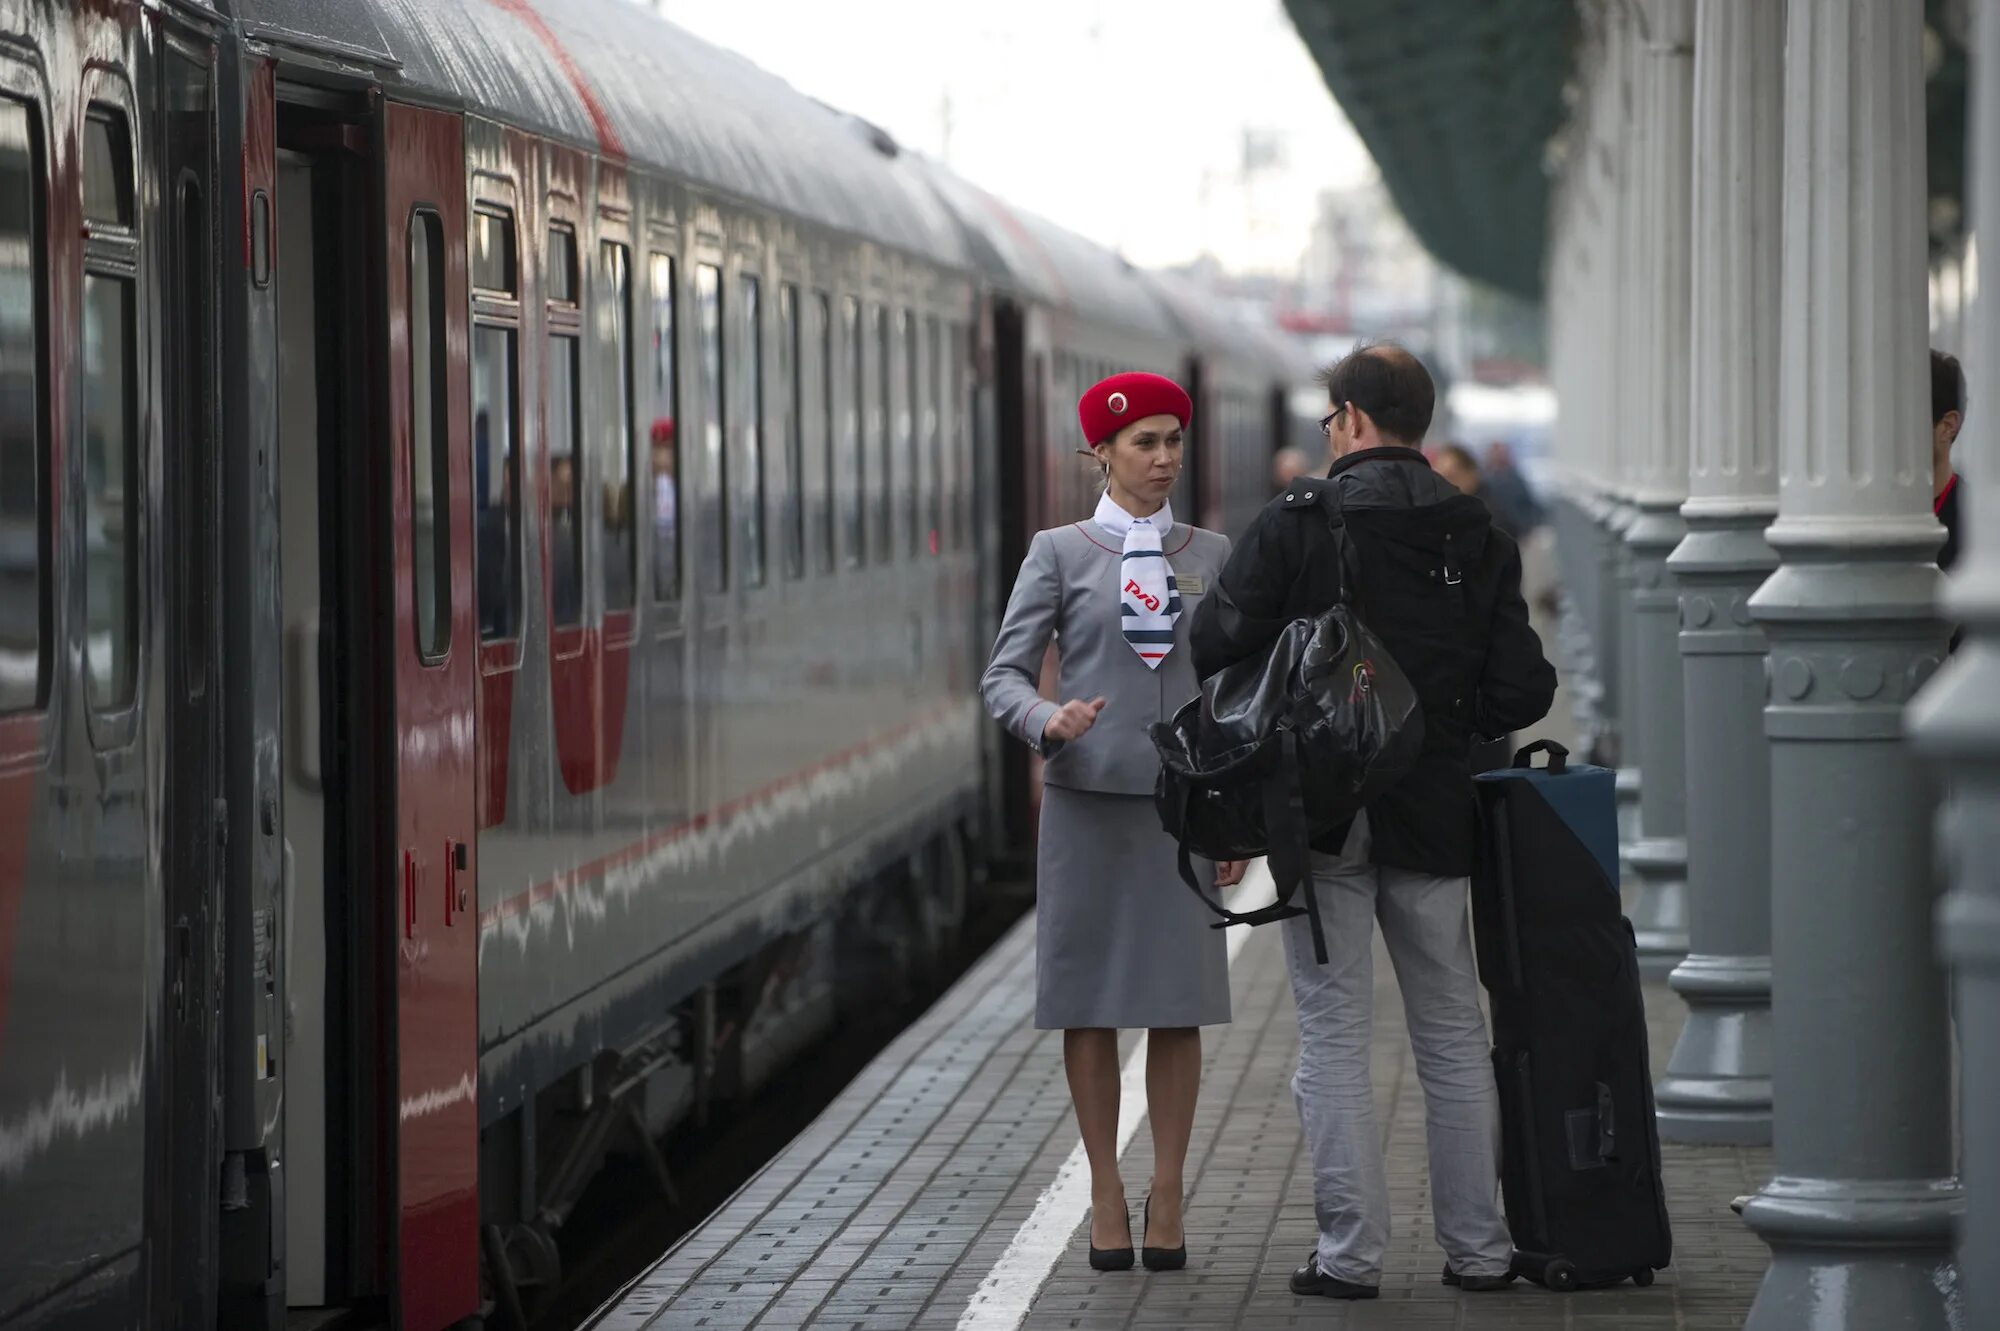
[(1326, 421)]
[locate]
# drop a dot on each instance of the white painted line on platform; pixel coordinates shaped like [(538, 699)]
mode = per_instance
[(1005, 1296)]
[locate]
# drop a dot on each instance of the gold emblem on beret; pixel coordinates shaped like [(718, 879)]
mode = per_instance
[(1117, 404)]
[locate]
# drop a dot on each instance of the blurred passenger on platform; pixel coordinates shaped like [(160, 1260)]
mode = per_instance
[(1455, 463), (1287, 465), (1515, 509), (1118, 942), (1947, 417)]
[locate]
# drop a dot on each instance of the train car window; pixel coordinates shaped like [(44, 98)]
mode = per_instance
[(562, 264), (107, 167), (854, 493), (790, 401), (879, 498), (752, 311), (565, 526), (908, 432), (666, 451), (493, 251), (496, 428), (934, 488), (621, 544), (562, 415), (113, 484), (822, 507), (963, 405), (25, 596), (430, 477), (497, 479), (714, 538)]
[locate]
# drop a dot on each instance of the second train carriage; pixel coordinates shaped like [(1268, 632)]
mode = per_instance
[(591, 468)]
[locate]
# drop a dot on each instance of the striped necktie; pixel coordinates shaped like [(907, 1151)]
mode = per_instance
[(1149, 602)]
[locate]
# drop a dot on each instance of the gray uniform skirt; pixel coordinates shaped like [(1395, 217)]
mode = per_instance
[(1119, 939)]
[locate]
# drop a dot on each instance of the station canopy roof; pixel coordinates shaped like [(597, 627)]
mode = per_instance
[(1457, 101)]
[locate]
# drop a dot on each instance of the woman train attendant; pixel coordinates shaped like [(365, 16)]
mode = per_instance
[(1120, 941)]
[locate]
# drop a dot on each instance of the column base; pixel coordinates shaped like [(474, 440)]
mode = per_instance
[(1856, 1254), (1659, 907), (1718, 1085)]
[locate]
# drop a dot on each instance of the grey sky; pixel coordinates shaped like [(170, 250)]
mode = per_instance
[(1124, 120)]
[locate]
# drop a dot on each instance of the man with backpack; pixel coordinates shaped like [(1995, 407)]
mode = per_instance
[(1428, 572)]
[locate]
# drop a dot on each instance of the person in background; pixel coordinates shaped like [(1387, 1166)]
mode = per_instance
[(1455, 463), (1947, 416), (1515, 509), (1287, 465)]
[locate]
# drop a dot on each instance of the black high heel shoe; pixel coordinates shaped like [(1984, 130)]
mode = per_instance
[(1163, 1259), (1113, 1259)]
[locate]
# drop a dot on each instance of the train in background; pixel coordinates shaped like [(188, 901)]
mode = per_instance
[(502, 507)]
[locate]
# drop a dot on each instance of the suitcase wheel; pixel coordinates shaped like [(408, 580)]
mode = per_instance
[(1643, 1277), (1559, 1276)]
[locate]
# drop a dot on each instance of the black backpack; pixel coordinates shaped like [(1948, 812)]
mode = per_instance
[(1285, 747)]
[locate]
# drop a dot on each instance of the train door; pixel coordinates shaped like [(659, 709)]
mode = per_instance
[(434, 678), (188, 569)]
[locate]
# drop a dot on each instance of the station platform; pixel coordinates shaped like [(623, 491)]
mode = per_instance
[(944, 1189)]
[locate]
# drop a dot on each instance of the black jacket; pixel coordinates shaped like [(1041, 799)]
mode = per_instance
[(1439, 585)]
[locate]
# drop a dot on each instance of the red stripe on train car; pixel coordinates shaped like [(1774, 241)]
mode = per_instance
[(600, 120)]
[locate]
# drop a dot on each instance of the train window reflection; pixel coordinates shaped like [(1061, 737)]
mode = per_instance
[(562, 264), (24, 511), (854, 491), (715, 483), (908, 472), (493, 251), (621, 547), (107, 167), (822, 344), (793, 499), (752, 347), (666, 455), (496, 481), (430, 478), (565, 527), (878, 415), (111, 490)]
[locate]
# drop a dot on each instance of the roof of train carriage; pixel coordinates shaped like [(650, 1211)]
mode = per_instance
[(613, 74), (1034, 256)]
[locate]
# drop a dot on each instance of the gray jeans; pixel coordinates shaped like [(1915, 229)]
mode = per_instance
[(1425, 924)]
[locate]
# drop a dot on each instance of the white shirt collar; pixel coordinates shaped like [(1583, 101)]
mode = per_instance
[(1117, 521)]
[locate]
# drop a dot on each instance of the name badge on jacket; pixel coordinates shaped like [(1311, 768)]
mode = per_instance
[(1190, 584)]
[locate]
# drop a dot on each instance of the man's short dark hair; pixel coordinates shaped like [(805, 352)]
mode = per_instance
[(1947, 385), (1388, 383)]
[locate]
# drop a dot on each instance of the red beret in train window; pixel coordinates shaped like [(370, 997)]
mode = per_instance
[(1109, 405)]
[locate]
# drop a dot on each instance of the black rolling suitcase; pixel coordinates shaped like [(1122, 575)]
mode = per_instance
[(1580, 1152)]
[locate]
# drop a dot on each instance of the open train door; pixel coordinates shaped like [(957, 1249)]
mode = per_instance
[(434, 678)]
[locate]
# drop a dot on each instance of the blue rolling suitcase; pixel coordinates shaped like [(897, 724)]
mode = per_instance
[(1580, 1151)]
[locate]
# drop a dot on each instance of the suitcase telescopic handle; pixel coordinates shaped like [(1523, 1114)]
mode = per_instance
[(1558, 755), (1503, 873)]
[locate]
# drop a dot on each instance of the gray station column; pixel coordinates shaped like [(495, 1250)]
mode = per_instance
[(1718, 1082), (1627, 362), (1859, 1214), (1957, 720), (1658, 858)]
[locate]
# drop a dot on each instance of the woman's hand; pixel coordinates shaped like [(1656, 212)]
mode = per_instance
[(1072, 719), (1228, 873)]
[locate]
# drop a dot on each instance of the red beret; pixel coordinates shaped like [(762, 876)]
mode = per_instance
[(1110, 405)]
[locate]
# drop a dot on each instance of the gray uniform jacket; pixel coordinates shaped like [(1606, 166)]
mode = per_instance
[(1068, 588)]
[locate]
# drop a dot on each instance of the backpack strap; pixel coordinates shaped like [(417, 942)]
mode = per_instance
[(1289, 853)]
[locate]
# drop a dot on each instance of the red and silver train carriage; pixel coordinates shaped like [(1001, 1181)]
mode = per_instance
[(501, 508)]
